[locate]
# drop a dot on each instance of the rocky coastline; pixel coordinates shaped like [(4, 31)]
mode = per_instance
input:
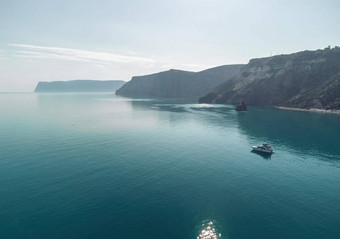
[(304, 80), (316, 110)]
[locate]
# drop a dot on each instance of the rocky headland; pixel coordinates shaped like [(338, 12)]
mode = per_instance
[(304, 80), (79, 86), (178, 83)]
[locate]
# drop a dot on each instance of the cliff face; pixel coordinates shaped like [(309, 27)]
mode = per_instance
[(308, 79), (78, 86), (177, 83)]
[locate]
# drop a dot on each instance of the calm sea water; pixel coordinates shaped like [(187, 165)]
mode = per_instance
[(101, 166)]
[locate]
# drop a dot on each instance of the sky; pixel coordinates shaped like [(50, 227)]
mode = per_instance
[(49, 40)]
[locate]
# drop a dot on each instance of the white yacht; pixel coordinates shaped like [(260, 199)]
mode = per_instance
[(264, 148)]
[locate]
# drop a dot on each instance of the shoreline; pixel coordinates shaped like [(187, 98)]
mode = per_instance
[(309, 110)]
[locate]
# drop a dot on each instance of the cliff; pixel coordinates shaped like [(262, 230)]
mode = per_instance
[(177, 83), (308, 79), (79, 86)]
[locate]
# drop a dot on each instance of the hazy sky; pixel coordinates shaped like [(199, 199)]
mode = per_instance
[(47, 40)]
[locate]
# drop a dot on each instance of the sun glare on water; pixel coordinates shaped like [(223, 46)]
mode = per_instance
[(209, 231)]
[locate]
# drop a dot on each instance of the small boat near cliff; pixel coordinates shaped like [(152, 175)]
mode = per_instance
[(264, 148), (241, 107)]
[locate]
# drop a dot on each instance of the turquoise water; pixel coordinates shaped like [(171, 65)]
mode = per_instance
[(101, 166)]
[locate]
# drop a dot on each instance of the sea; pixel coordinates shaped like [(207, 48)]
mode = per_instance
[(102, 166)]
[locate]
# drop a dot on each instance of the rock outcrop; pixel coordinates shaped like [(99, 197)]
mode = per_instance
[(241, 106), (177, 83), (308, 79), (79, 86)]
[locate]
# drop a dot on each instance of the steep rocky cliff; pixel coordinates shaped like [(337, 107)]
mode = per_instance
[(78, 86), (177, 83), (308, 79)]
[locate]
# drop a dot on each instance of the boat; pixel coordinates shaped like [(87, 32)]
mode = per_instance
[(241, 107), (264, 148)]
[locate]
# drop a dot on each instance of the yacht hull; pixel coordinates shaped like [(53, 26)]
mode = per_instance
[(262, 150)]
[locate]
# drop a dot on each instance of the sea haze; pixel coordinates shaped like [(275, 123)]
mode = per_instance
[(102, 166)]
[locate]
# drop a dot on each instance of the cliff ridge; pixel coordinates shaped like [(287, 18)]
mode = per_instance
[(307, 79)]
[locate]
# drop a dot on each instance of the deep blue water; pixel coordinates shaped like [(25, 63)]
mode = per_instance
[(101, 166)]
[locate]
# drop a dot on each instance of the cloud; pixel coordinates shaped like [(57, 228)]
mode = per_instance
[(43, 52), (45, 55)]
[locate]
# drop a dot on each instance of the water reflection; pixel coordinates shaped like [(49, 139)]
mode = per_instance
[(93, 112), (209, 230), (263, 155), (310, 133), (307, 132), (298, 130), (301, 131), (171, 105)]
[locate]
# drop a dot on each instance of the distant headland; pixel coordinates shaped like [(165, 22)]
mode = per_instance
[(79, 86), (178, 83)]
